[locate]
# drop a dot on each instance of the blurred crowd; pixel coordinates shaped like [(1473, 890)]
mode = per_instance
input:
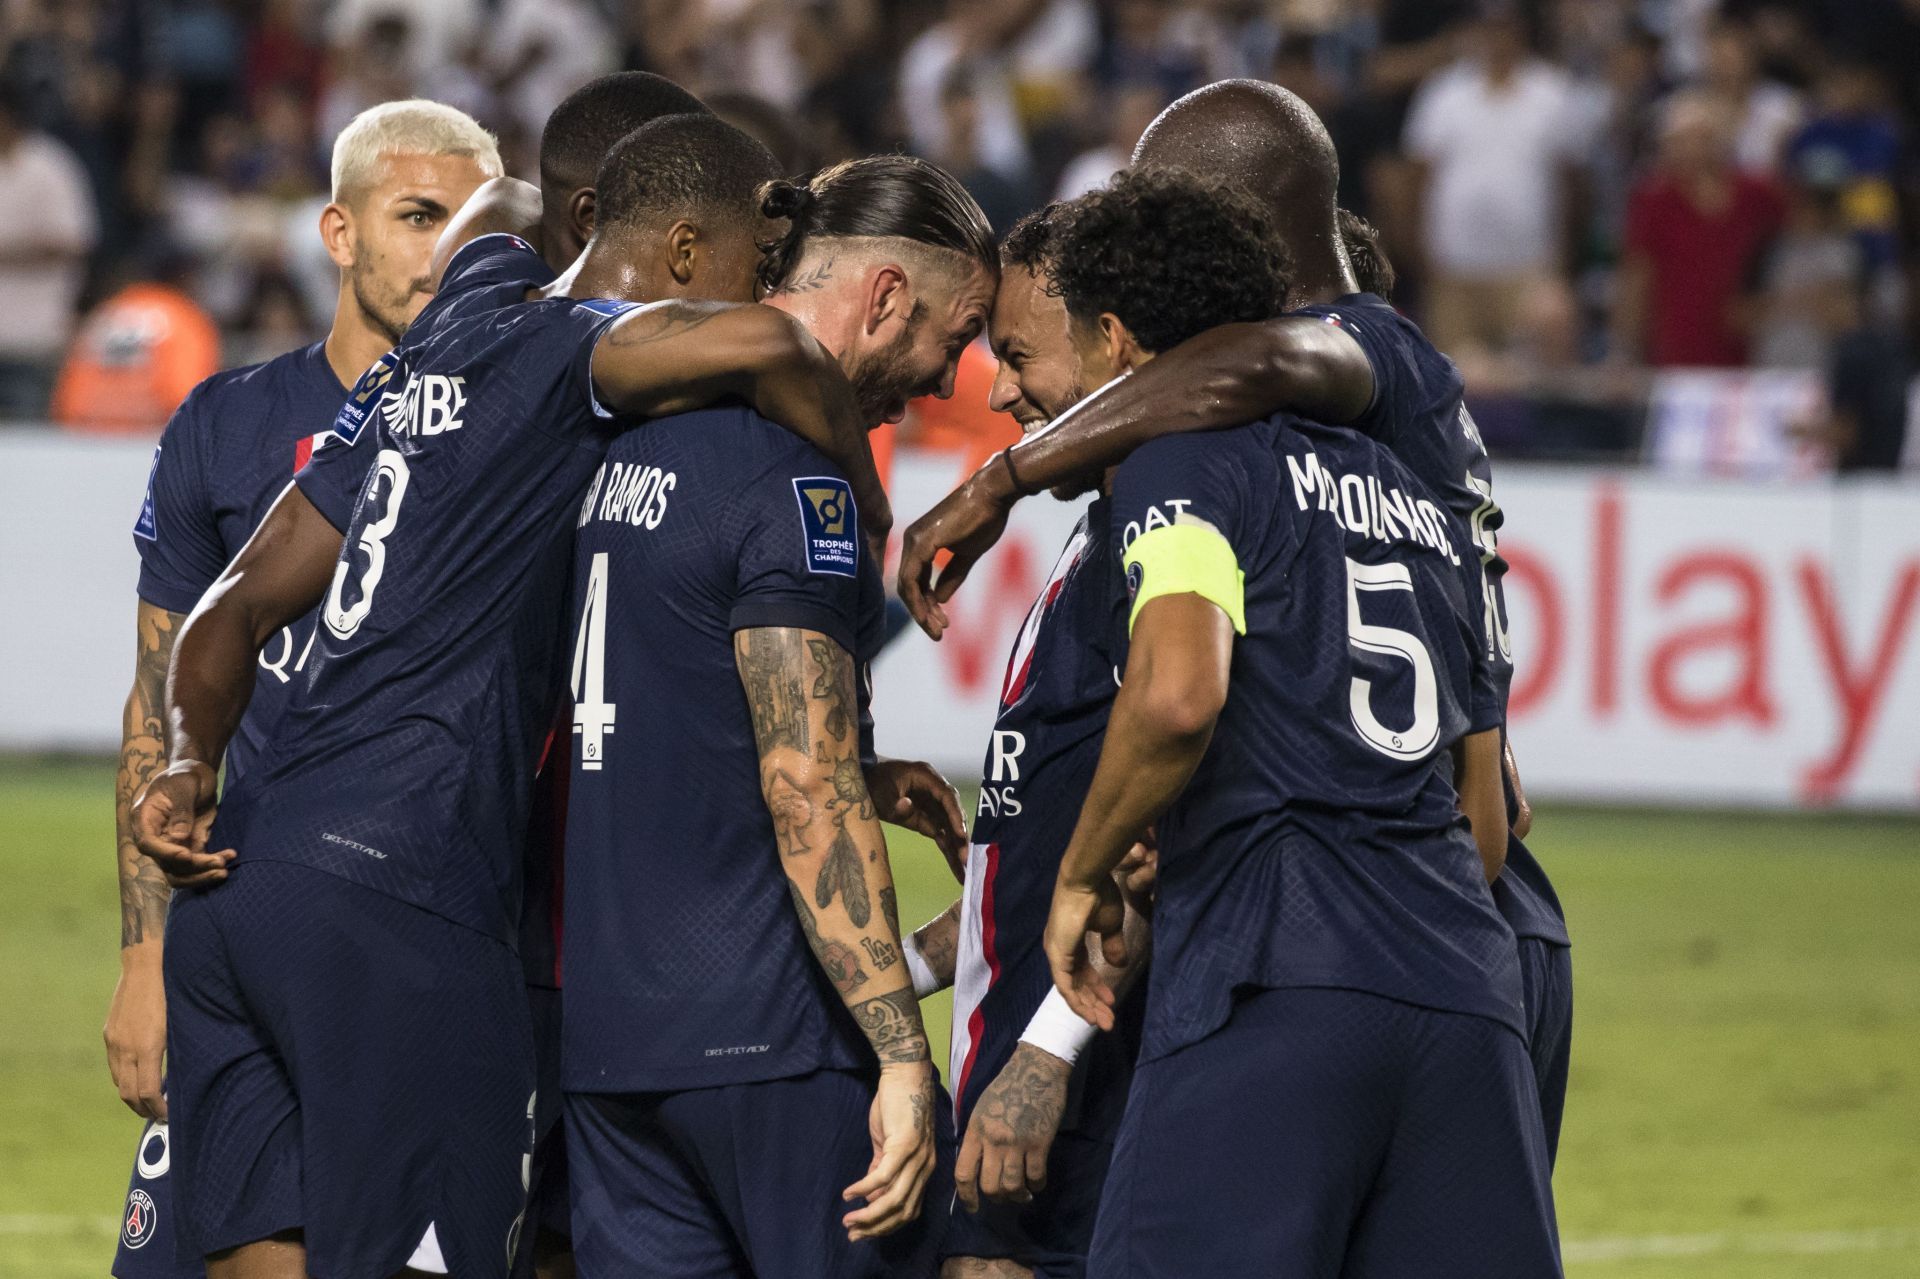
[(1573, 191)]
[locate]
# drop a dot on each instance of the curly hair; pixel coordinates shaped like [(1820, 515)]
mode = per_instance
[(1371, 267), (1170, 254), (1029, 242)]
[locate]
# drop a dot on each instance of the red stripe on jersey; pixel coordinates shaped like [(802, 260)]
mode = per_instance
[(977, 1021), (302, 450), (1017, 680)]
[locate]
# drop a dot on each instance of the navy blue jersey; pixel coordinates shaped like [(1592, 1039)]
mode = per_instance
[(1054, 701), (230, 449), (1319, 842), (686, 965), (405, 757), (1417, 411)]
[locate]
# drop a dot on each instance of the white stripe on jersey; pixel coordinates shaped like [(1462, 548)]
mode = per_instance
[(971, 976)]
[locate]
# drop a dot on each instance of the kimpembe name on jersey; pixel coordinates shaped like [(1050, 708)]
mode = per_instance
[(830, 523)]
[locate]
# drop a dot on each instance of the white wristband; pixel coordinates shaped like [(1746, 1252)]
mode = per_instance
[(924, 981), (1057, 1029)]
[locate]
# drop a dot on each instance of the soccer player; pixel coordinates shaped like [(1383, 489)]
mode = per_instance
[(1038, 1095), (1342, 357), (400, 171), (353, 1086), (1333, 1075), (743, 1049)]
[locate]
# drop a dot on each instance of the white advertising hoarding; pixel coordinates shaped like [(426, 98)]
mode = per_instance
[(1682, 641)]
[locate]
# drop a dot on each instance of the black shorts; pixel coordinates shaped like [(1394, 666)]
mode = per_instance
[(348, 1065)]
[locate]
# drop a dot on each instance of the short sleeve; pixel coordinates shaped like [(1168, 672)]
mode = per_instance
[(334, 475), (800, 564), (1374, 328), (176, 532), (1487, 690), (1180, 508)]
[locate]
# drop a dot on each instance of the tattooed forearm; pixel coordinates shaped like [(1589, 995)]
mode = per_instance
[(800, 691), (939, 942), (891, 1024), (143, 752)]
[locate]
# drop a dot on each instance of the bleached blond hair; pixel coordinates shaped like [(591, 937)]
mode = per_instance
[(411, 127)]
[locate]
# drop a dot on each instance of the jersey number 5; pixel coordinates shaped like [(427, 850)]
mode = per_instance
[(1418, 738), (592, 712), (388, 486)]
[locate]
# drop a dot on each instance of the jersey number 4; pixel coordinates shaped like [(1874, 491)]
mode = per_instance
[(592, 712), (1417, 739)]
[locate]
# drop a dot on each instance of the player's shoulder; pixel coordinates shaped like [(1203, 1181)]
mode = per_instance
[(1235, 450), (493, 258), (228, 395)]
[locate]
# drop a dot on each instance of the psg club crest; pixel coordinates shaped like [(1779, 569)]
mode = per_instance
[(141, 1220)]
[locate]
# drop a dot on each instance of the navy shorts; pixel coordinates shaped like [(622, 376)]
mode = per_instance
[(147, 1228), (1330, 1134), (1050, 1235), (548, 1227), (741, 1181), (348, 1065), (1546, 983)]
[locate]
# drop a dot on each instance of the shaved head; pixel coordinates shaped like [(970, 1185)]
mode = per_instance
[(1269, 143)]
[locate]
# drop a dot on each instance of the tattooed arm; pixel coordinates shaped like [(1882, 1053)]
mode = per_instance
[(136, 1029), (674, 357), (800, 689)]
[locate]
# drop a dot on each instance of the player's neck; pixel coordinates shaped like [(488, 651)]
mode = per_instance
[(355, 341)]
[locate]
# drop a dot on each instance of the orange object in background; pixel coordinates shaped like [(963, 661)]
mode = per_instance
[(963, 424), (135, 358)]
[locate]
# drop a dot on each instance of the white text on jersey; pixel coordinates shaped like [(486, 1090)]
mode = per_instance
[(1361, 504)]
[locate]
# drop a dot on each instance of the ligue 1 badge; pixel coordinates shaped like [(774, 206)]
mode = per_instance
[(141, 1220)]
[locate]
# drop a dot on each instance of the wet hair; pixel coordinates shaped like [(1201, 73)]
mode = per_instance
[(682, 165), (1029, 242), (900, 197), (1171, 255), (1371, 266), (583, 129)]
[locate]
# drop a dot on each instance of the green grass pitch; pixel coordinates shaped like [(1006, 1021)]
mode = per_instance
[(1745, 1101)]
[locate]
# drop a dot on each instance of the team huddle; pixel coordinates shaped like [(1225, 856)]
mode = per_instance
[(544, 922)]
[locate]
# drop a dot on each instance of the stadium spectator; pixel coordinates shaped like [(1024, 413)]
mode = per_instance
[(1696, 228), (1766, 114), (1811, 276), (1853, 143), (1497, 135), (1126, 113), (47, 227), (1000, 197), (138, 353)]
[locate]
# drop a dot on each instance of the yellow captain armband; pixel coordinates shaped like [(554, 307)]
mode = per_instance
[(1182, 559)]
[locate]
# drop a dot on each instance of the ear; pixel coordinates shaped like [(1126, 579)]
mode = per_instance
[(889, 296), (1123, 352), (336, 232), (581, 210), (681, 248)]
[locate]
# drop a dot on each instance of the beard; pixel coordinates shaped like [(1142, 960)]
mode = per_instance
[(390, 309)]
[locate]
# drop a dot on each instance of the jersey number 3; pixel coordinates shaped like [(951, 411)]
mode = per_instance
[(1417, 739), (388, 486), (592, 712)]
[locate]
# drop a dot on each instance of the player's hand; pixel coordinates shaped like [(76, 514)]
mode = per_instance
[(171, 818), (915, 795), (1004, 1154), (1138, 872), (1522, 819), (901, 1124), (136, 1031), (1079, 909), (967, 522)]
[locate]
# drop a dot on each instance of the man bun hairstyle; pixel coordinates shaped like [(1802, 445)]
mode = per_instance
[(1171, 255), (897, 197), (678, 166)]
